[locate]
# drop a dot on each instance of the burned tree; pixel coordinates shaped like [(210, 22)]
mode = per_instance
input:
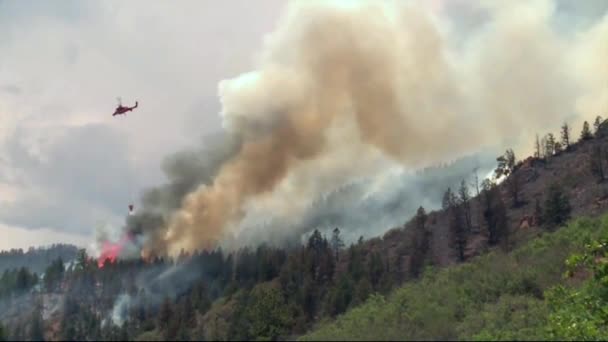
[(537, 149)]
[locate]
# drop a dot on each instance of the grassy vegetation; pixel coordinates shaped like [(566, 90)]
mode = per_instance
[(522, 295)]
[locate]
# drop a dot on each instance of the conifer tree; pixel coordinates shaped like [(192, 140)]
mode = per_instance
[(565, 132), (597, 123), (464, 197), (557, 206), (586, 132), (420, 243), (336, 242)]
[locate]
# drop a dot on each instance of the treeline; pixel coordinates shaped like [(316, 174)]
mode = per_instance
[(16, 282), (35, 259), (272, 292)]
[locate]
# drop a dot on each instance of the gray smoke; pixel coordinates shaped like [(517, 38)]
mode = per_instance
[(185, 171), (344, 91)]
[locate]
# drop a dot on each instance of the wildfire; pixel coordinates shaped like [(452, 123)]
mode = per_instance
[(111, 250)]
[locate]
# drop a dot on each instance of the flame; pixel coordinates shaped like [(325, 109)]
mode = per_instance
[(111, 250)]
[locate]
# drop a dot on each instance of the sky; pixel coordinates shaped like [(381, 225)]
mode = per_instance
[(67, 166)]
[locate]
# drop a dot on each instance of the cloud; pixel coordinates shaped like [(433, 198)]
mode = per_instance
[(67, 162), (81, 178), (15, 237)]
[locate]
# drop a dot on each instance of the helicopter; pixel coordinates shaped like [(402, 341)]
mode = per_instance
[(122, 110)]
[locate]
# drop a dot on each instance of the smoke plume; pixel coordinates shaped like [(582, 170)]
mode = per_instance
[(347, 90)]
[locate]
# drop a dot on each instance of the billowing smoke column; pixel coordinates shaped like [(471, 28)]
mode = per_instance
[(344, 90)]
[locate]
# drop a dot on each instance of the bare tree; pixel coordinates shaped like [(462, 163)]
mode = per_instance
[(537, 152)]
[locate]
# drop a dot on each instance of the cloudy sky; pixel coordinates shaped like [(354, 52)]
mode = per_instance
[(67, 166)]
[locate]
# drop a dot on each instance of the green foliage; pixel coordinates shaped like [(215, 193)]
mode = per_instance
[(511, 318), (582, 314), (267, 314), (2, 334), (506, 164), (16, 282), (494, 297), (336, 241), (54, 275)]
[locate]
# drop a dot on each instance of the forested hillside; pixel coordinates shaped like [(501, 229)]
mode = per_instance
[(282, 293), (523, 295), (36, 259)]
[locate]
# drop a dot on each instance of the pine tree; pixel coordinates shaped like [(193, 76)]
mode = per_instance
[(458, 232), (420, 243), (495, 215), (597, 123), (446, 201), (513, 186), (557, 206), (565, 136), (586, 132), (506, 164), (464, 197), (336, 242), (549, 146), (558, 147)]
